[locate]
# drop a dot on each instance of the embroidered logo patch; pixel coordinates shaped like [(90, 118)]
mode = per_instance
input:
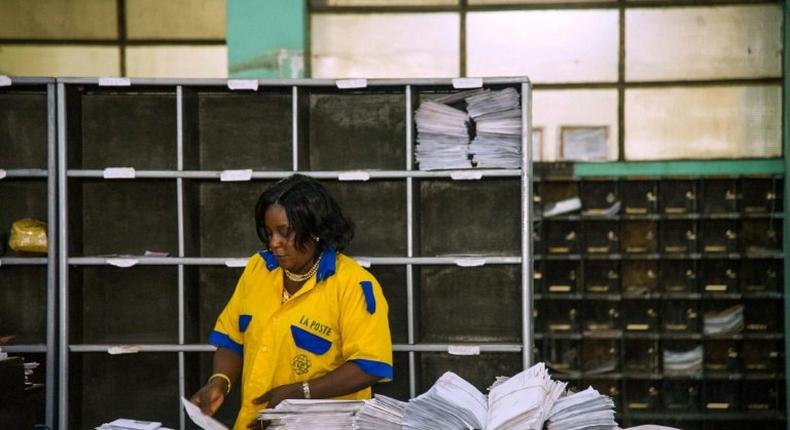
[(301, 364)]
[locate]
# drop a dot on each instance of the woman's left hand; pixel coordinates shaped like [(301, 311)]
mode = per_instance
[(275, 396)]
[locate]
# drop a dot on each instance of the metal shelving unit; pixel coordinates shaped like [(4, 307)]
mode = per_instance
[(182, 137), (28, 189)]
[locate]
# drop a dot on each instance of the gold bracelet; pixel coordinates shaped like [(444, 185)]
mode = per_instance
[(223, 376), (306, 389)]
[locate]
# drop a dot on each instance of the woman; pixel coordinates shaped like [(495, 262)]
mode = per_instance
[(305, 321)]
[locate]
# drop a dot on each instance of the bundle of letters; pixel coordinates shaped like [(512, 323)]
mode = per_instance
[(443, 130), (497, 119), (442, 137), (585, 410), (688, 361), (308, 414), (728, 321), (127, 424), (380, 413)]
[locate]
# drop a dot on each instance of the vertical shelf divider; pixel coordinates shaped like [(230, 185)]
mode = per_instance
[(52, 232), (526, 223), (295, 126), (410, 246), (180, 209), (63, 255)]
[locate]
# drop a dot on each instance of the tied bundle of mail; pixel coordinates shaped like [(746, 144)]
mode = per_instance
[(442, 137), (309, 414)]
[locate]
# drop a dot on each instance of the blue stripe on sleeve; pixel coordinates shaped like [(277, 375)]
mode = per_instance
[(224, 341), (370, 299), (244, 322), (375, 368)]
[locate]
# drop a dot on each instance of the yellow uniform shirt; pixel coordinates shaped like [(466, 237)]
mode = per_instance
[(339, 315)]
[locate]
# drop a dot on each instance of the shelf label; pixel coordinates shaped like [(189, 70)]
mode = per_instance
[(2, 173), (346, 84), (236, 262), (235, 175), (470, 262), (463, 349), (243, 84), (115, 82), (5, 81), (464, 83), (122, 262), (123, 349), (119, 173), (363, 262), (353, 176), (466, 175)]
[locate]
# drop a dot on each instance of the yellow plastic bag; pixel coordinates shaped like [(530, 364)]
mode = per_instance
[(29, 235)]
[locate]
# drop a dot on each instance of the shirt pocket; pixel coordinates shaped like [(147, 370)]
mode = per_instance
[(309, 341)]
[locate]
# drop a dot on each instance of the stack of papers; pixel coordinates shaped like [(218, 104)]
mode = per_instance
[(380, 413), (497, 118), (728, 321), (452, 403), (683, 361), (523, 401), (127, 424), (585, 410), (308, 414), (442, 137)]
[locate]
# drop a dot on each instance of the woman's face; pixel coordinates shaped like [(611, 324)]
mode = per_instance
[(282, 241)]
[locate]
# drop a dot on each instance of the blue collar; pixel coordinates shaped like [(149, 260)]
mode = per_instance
[(326, 267)]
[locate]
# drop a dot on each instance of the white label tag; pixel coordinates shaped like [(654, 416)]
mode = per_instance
[(463, 83), (123, 349), (5, 81), (466, 175), (470, 262), (119, 173), (364, 263), (236, 262), (243, 84), (115, 82), (235, 175), (353, 176), (122, 262), (463, 349), (2, 173), (345, 84)]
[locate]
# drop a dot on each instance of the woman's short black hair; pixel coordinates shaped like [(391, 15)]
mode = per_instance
[(311, 211)]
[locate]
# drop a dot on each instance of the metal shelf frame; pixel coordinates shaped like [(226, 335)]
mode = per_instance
[(181, 176)]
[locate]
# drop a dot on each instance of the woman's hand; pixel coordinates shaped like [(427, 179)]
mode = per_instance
[(275, 396), (210, 397)]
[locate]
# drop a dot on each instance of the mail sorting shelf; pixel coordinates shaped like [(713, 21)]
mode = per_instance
[(633, 274), (181, 137), (27, 190)]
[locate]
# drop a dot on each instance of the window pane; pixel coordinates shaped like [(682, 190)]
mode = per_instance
[(175, 19), (54, 60), (385, 45), (712, 122), (61, 19), (555, 109), (547, 46), (704, 42), (383, 3), (177, 61)]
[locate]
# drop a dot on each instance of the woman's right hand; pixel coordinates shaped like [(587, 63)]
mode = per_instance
[(210, 397)]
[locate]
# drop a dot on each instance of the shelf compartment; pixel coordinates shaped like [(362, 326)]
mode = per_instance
[(719, 276), (641, 316), (250, 130), (639, 277), (600, 237), (639, 237), (601, 277), (678, 236), (480, 370), (600, 356), (462, 217), (120, 217), (23, 303), (350, 130), (762, 356), (640, 197), (719, 196), (680, 316), (393, 281), (643, 395), (761, 276), (601, 316), (23, 128), (678, 197), (104, 387), (560, 355), (133, 127), (678, 276), (561, 277), (557, 317), (763, 195), (761, 235), (681, 395), (105, 304), (641, 355), (446, 314), (21, 198), (719, 236), (598, 196)]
